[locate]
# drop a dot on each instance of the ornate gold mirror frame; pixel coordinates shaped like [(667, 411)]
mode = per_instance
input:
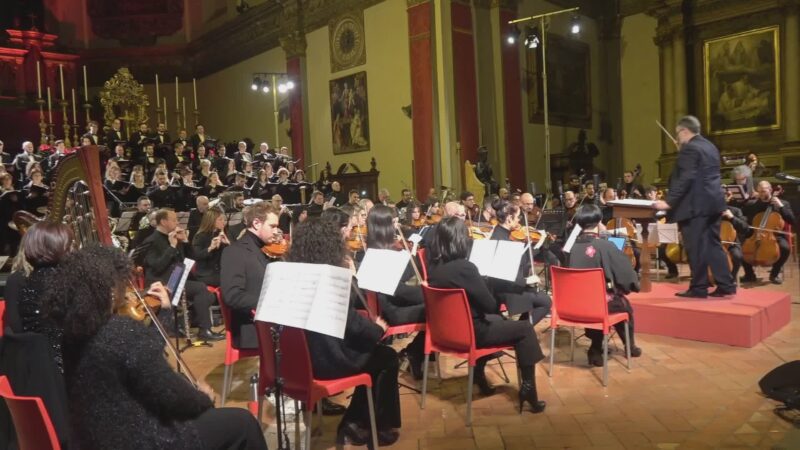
[(124, 98)]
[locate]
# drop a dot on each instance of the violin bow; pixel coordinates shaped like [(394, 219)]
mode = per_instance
[(405, 245)]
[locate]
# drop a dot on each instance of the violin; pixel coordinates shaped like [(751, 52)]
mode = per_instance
[(418, 223), (521, 234), (355, 241), (134, 308), (761, 249), (276, 250), (433, 219)]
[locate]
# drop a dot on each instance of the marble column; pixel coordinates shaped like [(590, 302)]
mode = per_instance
[(679, 74), (791, 94), (465, 80), (295, 47), (420, 27), (512, 99)]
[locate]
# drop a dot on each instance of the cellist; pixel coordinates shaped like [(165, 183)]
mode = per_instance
[(764, 200)]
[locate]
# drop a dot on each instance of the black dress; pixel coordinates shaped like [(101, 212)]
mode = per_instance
[(29, 311), (208, 263)]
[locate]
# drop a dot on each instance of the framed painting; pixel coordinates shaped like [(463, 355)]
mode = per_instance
[(349, 114), (742, 88), (569, 97)]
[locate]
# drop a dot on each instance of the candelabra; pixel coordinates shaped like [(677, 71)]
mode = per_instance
[(196, 116), (75, 137), (66, 123), (87, 106), (158, 115), (42, 123), (178, 120)]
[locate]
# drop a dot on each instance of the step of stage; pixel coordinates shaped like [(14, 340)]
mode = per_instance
[(743, 320)]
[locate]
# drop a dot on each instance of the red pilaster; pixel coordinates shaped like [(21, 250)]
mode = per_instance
[(420, 46), (466, 84), (512, 105), (294, 69)]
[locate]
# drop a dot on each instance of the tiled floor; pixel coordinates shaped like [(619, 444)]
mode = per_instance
[(679, 394)]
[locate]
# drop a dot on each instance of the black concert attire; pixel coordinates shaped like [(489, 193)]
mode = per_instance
[(165, 198), (696, 203), (124, 395), (491, 329), (360, 352), (519, 299), (261, 190), (208, 263), (340, 198), (195, 217), (750, 210), (162, 138), (136, 144), (195, 140), (407, 305), (739, 222), (92, 137), (633, 190), (241, 158), (591, 252), (114, 136), (243, 266), (213, 192), (158, 264)]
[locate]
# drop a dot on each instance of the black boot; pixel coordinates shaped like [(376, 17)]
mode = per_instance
[(479, 378), (527, 393), (595, 357)]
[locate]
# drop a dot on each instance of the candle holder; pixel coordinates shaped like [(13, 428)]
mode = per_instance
[(75, 138), (87, 106), (196, 116), (178, 120), (66, 125), (51, 137), (158, 115), (42, 123)]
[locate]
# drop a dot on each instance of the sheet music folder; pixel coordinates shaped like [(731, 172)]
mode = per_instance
[(314, 297)]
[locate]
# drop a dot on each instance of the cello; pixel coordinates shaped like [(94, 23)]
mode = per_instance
[(761, 249)]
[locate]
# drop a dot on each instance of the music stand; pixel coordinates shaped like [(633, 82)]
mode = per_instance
[(553, 221)]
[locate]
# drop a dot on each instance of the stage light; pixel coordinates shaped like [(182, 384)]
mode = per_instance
[(532, 38), (254, 86), (256, 83), (282, 88), (265, 88), (513, 35), (575, 26)]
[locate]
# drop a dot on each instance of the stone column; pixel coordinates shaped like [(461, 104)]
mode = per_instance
[(512, 99), (664, 43), (420, 26), (465, 80), (791, 78), (679, 73), (295, 47)]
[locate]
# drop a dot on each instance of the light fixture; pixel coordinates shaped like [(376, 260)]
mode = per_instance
[(256, 83), (513, 35), (532, 37), (282, 88), (290, 84), (265, 88), (575, 25)]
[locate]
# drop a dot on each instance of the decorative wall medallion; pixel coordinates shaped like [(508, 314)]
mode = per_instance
[(347, 40)]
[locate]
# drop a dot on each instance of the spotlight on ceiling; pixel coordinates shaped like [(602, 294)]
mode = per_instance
[(256, 84), (290, 84), (532, 38), (575, 25), (513, 35)]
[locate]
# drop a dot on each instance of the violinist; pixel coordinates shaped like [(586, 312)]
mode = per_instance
[(760, 204), (518, 295), (413, 220), (470, 208), (208, 244), (570, 205), (530, 209), (589, 193), (168, 245), (487, 215), (115, 368), (284, 216)]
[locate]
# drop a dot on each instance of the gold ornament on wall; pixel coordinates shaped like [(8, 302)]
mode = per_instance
[(347, 41), (124, 98)]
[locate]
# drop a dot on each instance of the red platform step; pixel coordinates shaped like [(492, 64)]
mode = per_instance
[(743, 320)]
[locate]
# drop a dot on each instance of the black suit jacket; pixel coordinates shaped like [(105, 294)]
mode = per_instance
[(695, 185), (112, 136), (243, 266), (160, 258)]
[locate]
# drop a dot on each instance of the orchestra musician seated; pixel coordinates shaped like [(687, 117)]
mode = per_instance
[(196, 215), (115, 368), (765, 199), (589, 252), (166, 247), (450, 269), (207, 246)]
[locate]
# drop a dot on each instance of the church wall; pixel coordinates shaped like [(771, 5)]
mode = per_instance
[(641, 102)]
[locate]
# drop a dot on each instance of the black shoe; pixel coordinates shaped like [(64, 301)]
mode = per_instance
[(387, 437), (635, 352), (595, 357), (527, 393), (692, 294), (209, 336), (748, 279), (332, 409), (671, 276), (415, 366), (777, 279), (479, 378), (719, 292), (351, 433)]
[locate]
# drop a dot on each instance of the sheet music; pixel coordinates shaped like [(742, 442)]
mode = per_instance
[(667, 233), (541, 241), (381, 270), (482, 255), (571, 239), (497, 259), (187, 268), (312, 297)]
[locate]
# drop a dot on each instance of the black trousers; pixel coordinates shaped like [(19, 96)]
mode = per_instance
[(618, 304), (493, 330), (229, 429), (537, 304), (736, 260), (383, 367), (199, 299), (704, 249), (785, 251)]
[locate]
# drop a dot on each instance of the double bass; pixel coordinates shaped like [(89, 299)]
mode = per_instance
[(761, 248)]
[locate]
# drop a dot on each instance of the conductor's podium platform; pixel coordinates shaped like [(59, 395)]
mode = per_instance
[(743, 320)]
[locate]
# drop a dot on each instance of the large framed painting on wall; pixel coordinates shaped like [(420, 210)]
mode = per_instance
[(349, 114), (569, 100), (742, 88)]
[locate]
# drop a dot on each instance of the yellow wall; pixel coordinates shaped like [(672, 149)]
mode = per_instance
[(641, 101), (388, 89)]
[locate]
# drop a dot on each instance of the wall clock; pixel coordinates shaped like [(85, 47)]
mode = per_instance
[(347, 41)]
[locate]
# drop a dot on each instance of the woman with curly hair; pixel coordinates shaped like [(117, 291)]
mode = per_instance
[(123, 394), (320, 241)]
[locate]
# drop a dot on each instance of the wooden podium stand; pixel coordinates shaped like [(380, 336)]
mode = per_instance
[(643, 214)]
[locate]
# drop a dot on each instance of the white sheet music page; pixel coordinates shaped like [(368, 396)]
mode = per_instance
[(381, 270), (507, 257), (188, 264), (576, 230), (312, 297), (482, 255)]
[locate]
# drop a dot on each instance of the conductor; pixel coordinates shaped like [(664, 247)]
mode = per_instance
[(696, 202)]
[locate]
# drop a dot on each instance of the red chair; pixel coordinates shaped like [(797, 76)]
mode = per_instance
[(2, 316), (32, 422), (422, 254), (449, 330), (298, 378), (374, 305), (579, 300), (232, 354)]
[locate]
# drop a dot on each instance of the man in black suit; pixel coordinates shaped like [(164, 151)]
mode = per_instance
[(115, 134), (91, 133), (199, 136), (138, 141), (162, 137), (696, 202), (167, 247)]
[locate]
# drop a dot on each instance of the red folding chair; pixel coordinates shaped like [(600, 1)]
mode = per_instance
[(422, 254), (449, 330), (298, 377), (32, 422), (579, 300), (232, 353), (374, 305)]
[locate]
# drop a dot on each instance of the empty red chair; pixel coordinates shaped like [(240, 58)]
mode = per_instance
[(298, 377), (449, 330), (32, 422), (579, 300), (232, 353), (375, 307)]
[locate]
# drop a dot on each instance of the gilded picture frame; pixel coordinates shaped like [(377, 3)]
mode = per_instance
[(349, 114), (741, 75)]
